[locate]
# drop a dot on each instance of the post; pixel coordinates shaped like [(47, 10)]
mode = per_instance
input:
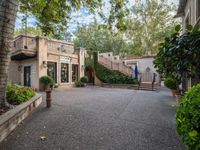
[(48, 98)]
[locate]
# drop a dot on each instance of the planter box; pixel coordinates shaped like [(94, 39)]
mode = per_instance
[(10, 120)]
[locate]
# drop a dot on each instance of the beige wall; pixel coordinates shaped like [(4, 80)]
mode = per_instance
[(16, 72), (81, 59), (41, 57), (142, 64)]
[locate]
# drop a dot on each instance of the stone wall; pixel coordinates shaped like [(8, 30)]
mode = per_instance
[(11, 119)]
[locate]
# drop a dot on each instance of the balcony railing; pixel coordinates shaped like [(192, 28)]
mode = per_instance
[(23, 47)]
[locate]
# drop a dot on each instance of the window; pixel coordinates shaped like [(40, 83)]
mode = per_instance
[(74, 72), (64, 73), (52, 70)]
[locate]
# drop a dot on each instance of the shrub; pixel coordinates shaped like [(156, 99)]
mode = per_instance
[(79, 84), (112, 77), (16, 94), (84, 79), (46, 80), (171, 83), (188, 118)]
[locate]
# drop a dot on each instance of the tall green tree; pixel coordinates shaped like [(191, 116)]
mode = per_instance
[(99, 38), (150, 21)]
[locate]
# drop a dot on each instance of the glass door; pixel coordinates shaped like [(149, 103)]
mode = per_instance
[(27, 76), (74, 72), (52, 70), (64, 73)]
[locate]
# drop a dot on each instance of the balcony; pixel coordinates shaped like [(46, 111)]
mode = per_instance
[(24, 47)]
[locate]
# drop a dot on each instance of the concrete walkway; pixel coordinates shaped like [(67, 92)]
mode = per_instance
[(95, 118)]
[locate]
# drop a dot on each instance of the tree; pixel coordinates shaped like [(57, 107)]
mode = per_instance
[(8, 10), (118, 12), (99, 38), (179, 55), (149, 23), (29, 30)]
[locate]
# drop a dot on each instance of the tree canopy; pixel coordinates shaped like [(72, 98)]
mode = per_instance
[(150, 23), (144, 27), (179, 55), (98, 38)]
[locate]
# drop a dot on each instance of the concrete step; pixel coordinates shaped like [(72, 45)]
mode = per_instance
[(147, 86)]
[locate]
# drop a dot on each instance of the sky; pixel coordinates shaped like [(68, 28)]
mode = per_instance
[(79, 18)]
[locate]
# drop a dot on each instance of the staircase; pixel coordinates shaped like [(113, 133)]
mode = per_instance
[(116, 66), (147, 86)]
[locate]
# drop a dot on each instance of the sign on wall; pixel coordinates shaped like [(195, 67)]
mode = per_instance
[(65, 59)]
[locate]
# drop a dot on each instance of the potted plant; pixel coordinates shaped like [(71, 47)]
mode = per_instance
[(84, 80), (171, 84), (47, 81)]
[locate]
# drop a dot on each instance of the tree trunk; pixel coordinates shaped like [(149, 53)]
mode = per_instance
[(8, 10)]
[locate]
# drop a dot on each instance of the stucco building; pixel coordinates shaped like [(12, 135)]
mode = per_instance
[(145, 66), (189, 11), (34, 56)]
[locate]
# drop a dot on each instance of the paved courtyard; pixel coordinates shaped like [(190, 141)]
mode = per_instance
[(95, 118)]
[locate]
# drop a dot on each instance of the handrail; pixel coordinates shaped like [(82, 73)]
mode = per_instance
[(119, 66)]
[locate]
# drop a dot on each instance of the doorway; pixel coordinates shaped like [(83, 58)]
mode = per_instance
[(89, 72), (52, 70), (27, 76)]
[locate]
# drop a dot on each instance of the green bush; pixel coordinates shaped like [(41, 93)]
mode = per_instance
[(188, 118), (16, 94), (171, 83), (46, 80), (79, 84), (84, 79), (112, 77)]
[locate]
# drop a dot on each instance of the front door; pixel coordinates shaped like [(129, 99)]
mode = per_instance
[(27, 76), (52, 71)]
